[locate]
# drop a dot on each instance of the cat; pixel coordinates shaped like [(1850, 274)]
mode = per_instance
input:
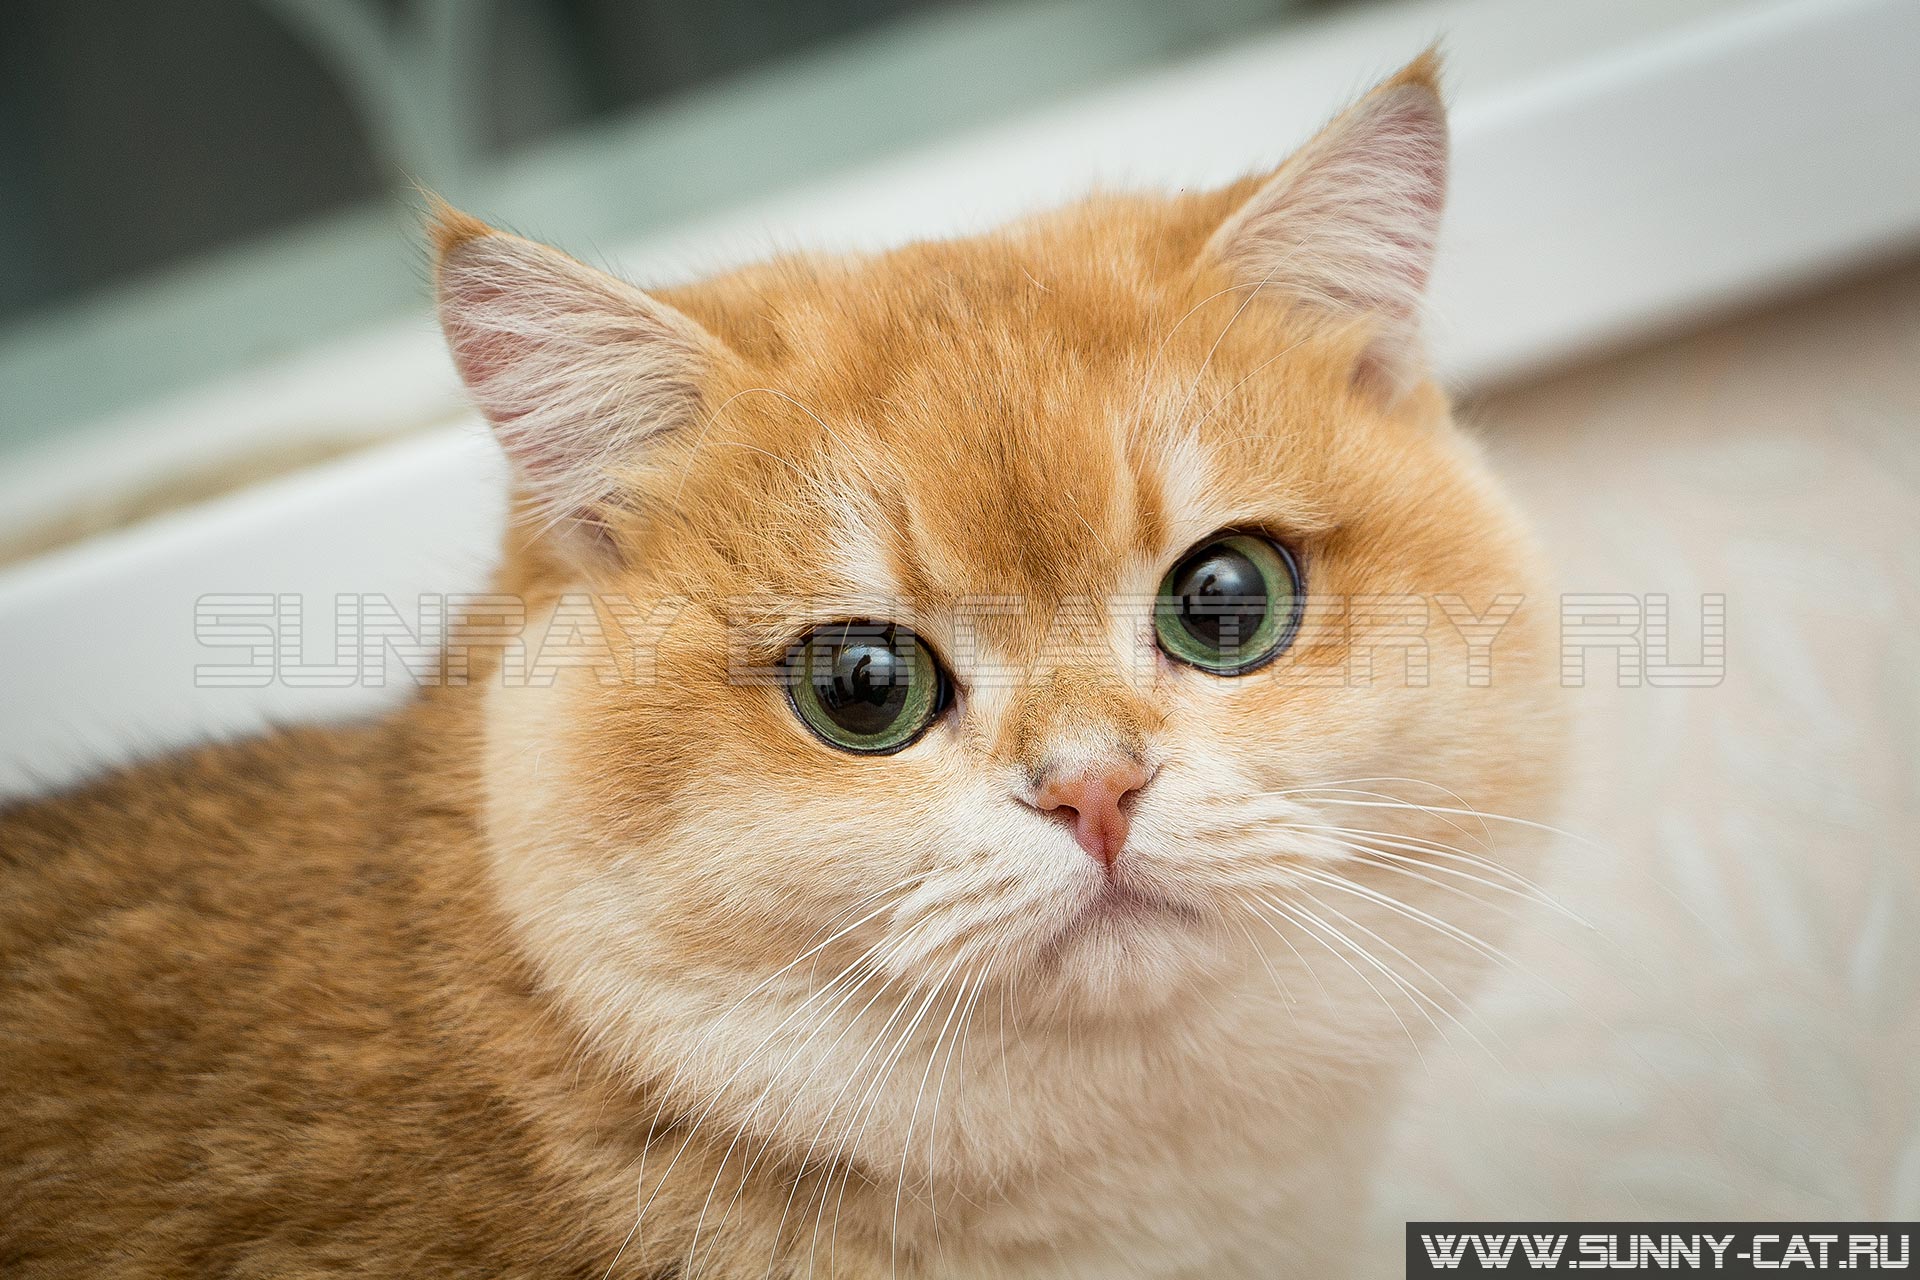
[(1009, 802)]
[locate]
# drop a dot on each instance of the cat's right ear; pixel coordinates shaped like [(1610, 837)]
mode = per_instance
[(1348, 226), (576, 370)]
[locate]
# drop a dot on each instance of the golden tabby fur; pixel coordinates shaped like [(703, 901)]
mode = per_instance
[(623, 973)]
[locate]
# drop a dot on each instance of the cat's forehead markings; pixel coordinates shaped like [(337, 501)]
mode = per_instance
[(856, 556), (1174, 476), (1209, 482), (1031, 545)]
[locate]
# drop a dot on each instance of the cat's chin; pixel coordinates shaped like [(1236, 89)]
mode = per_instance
[(1125, 951), (1123, 910)]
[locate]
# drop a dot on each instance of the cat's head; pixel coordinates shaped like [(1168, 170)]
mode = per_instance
[(1001, 610)]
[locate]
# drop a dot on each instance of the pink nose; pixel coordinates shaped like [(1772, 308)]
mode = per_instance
[(1091, 801)]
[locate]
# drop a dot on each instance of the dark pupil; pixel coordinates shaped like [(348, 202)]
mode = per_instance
[(1222, 597), (862, 684)]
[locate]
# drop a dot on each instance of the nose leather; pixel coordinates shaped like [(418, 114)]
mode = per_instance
[(1090, 800)]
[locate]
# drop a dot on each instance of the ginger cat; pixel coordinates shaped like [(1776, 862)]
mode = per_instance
[(997, 818)]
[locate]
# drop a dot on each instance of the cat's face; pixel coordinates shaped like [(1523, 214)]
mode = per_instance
[(1001, 449)]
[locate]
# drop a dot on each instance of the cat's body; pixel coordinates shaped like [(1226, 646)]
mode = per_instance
[(260, 1023), (635, 964)]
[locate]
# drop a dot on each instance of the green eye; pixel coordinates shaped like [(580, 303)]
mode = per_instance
[(866, 687), (1231, 604)]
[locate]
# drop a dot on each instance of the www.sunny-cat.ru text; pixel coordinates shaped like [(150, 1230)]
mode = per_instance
[(368, 639)]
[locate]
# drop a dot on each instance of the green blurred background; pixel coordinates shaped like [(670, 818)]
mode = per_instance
[(197, 186)]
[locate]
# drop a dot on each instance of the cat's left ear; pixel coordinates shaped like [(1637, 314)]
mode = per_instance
[(576, 371), (1348, 225)]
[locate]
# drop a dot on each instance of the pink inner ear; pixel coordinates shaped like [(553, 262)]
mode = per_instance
[(480, 354), (1414, 136), (576, 370), (1349, 225), (1373, 204)]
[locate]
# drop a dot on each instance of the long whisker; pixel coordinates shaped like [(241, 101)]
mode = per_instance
[(822, 1024), (1353, 786), (1420, 998), (1548, 828), (1404, 864), (1498, 956), (668, 1092), (1280, 983), (966, 1039), (888, 898), (1231, 391), (1214, 350), (827, 1114), (863, 1113), (1341, 957), (747, 1060), (806, 1158), (1419, 968), (906, 1145), (1396, 852), (1393, 904), (741, 1128)]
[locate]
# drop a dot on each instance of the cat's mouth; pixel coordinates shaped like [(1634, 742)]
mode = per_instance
[(1125, 949), (1120, 906)]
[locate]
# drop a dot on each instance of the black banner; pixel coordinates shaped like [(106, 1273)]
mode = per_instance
[(1442, 1249)]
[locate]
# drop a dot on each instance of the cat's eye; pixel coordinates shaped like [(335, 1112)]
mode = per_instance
[(866, 687), (1230, 605)]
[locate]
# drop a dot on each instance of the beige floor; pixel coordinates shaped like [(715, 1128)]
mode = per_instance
[(1739, 1036)]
